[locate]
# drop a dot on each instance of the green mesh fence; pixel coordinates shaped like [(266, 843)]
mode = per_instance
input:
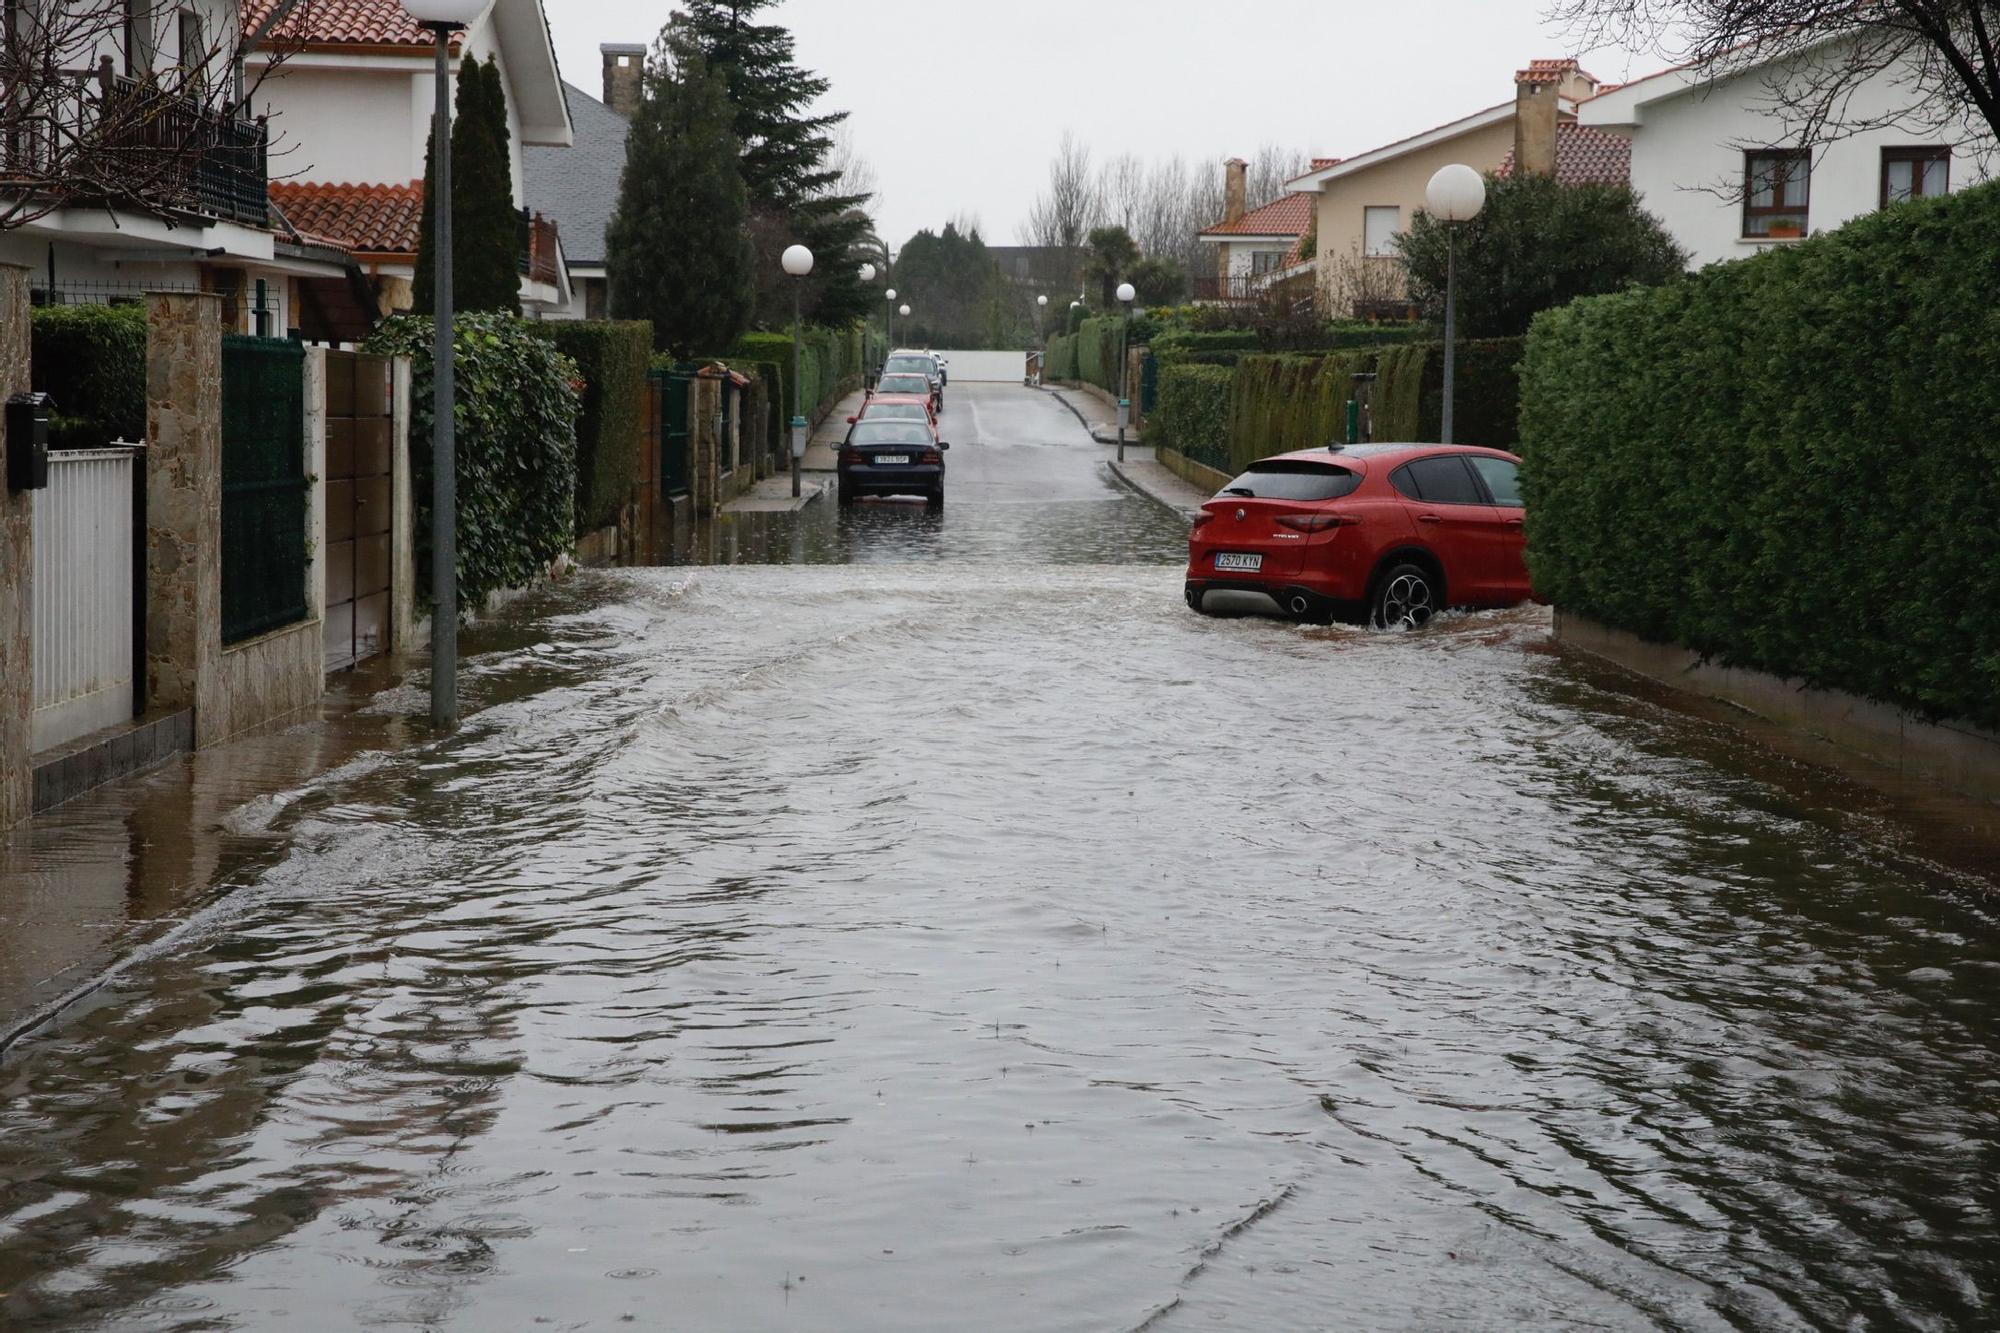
[(263, 486)]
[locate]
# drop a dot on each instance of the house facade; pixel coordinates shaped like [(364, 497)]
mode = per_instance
[(1365, 202), (1256, 247), (207, 226), (577, 187), (1719, 165), (349, 99)]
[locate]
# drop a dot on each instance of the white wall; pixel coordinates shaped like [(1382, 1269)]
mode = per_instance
[(1240, 252), (346, 125), (1687, 153), (984, 367)]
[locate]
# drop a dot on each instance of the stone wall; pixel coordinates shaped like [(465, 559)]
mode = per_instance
[(184, 502), (17, 549)]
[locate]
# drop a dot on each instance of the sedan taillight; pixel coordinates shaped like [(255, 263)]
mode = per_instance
[(1314, 522), (851, 456), (930, 456)]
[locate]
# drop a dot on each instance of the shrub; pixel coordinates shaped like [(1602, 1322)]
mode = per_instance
[(829, 367), (612, 358), (92, 359), (1192, 414), (1062, 358), (1788, 463), (1097, 343), (516, 448)]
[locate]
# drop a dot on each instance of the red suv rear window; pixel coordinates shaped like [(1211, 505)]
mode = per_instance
[(1289, 479)]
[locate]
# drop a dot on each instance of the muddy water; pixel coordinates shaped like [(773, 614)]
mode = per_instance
[(938, 937)]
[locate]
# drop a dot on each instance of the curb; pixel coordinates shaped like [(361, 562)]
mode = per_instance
[(1118, 470)]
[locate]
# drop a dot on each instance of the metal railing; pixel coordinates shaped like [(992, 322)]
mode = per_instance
[(541, 248), (84, 591)]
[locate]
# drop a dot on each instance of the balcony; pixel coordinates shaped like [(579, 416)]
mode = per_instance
[(541, 249), (1283, 286), (108, 139)]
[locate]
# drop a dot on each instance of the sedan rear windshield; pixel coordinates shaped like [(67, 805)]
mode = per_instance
[(896, 412), (891, 432), (1287, 479), (914, 365), (916, 384)]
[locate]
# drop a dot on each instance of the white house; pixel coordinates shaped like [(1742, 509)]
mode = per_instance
[(1255, 247), (212, 228), (350, 106), (1716, 161)]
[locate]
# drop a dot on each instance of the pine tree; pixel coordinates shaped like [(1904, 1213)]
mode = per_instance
[(792, 189), (486, 239), (679, 251)]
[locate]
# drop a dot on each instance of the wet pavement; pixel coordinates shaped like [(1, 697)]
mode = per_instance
[(909, 920)]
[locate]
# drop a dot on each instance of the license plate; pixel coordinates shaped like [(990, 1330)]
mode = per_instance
[(1236, 560), (891, 458)]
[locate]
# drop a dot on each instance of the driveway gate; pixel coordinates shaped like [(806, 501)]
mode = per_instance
[(85, 594), (670, 402), (359, 512), (263, 485)]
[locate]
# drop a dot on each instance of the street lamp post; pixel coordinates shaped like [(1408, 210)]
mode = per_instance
[(867, 275), (1455, 195), (1041, 336), (1126, 295), (890, 318), (443, 18), (798, 262)]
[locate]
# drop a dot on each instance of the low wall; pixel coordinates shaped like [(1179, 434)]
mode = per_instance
[(983, 367), (265, 680), (1961, 757), (1195, 474)]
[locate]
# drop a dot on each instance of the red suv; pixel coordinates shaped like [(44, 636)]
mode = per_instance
[(1389, 532)]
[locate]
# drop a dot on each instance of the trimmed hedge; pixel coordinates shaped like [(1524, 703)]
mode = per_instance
[(1192, 414), (1061, 361), (516, 448), (92, 358), (829, 367), (1788, 463), (612, 357), (1181, 343)]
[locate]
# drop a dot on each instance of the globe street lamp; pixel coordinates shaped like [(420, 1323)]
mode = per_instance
[(1455, 195), (1126, 295), (798, 262), (867, 275), (443, 18), (1041, 333)]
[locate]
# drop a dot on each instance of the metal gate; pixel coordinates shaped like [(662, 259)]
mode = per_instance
[(85, 594), (670, 402), (1149, 383), (263, 485), (360, 487)]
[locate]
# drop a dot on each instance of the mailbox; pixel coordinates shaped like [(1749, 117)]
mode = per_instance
[(28, 441)]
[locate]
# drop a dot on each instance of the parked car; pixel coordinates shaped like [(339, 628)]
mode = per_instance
[(944, 369), (915, 384), (892, 458), (894, 407), (906, 362), (1390, 533)]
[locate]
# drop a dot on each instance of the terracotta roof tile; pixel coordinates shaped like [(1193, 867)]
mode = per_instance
[(1550, 71), (1586, 156), (367, 219), (340, 23), (1289, 215)]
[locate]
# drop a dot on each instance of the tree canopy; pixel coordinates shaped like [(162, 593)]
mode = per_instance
[(485, 226), (679, 243), (1111, 251), (957, 295), (1537, 244)]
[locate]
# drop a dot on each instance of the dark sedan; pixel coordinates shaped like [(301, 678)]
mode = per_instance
[(892, 458)]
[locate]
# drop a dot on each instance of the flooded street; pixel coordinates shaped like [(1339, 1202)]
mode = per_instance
[(909, 920)]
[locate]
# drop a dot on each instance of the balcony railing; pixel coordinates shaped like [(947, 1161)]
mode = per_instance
[(541, 249), (1252, 288), (112, 139)]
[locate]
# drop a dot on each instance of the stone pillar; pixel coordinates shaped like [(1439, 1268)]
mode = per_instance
[(406, 633), (17, 571), (624, 76), (1535, 122), (184, 502), (706, 445)]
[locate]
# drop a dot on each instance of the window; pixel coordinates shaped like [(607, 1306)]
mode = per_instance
[(1438, 481), (1263, 261), (1775, 188), (139, 54), (1502, 478), (1293, 481), (1914, 173), (1379, 226), (891, 432)]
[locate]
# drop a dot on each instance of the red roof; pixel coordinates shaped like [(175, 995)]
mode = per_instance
[(1289, 215), (1550, 71), (367, 219), (1586, 156), (340, 23)]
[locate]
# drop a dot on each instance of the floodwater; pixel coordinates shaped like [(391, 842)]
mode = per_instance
[(920, 921)]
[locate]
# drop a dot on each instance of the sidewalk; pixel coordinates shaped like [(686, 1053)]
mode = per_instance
[(1159, 485), (773, 494), (1097, 415), (823, 449)]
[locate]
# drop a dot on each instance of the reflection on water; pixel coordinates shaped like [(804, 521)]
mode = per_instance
[(869, 945)]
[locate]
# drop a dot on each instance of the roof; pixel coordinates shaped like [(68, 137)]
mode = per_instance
[(1551, 72), (341, 23), (577, 187), (1288, 215), (1316, 179), (1585, 156), (366, 219)]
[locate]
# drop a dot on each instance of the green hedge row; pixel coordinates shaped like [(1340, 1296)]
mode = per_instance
[(1790, 463), (1183, 344), (830, 366), (612, 358), (1192, 414), (1060, 363), (516, 448), (92, 359)]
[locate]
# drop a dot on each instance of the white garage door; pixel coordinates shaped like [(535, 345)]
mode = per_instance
[(968, 367)]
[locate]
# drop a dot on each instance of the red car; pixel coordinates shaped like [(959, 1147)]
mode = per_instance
[(1392, 533)]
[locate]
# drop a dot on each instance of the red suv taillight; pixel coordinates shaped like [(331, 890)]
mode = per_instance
[(1314, 522), (1203, 517)]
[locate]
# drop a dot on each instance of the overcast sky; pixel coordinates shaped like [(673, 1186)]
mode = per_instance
[(958, 104)]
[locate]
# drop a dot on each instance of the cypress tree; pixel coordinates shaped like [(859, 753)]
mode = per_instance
[(678, 248), (486, 241), (785, 150)]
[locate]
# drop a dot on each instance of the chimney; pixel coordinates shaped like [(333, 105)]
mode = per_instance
[(624, 77), (1236, 174), (1537, 90)]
